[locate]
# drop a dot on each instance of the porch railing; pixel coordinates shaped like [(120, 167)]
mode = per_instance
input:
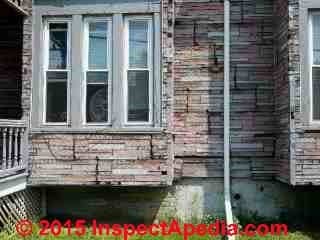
[(17, 2), (13, 147)]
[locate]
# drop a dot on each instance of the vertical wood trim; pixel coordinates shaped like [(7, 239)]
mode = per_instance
[(117, 70), (157, 70), (76, 72), (36, 107), (25, 148)]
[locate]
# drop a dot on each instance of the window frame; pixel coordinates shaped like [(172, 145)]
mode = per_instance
[(150, 68), (76, 118), (45, 68), (312, 65), (85, 68)]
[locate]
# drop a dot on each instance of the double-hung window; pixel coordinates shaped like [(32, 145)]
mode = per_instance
[(97, 71), (100, 71), (314, 55), (138, 70), (57, 71)]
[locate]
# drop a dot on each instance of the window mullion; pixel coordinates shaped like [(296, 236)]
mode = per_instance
[(76, 73), (117, 70)]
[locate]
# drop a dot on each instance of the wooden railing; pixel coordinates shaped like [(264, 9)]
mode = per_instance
[(17, 5), (16, 2), (13, 147)]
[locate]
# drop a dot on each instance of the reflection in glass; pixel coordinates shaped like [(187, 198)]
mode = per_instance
[(56, 97), (58, 45), (138, 96)]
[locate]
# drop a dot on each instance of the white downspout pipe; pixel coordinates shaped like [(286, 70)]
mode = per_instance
[(227, 197)]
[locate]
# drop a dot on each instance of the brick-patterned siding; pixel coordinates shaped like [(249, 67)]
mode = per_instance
[(282, 89), (199, 58), (27, 59), (11, 27)]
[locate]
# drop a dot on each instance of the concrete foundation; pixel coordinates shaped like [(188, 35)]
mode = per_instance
[(188, 200)]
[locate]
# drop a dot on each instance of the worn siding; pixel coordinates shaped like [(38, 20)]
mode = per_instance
[(282, 89), (305, 140), (112, 159), (199, 88)]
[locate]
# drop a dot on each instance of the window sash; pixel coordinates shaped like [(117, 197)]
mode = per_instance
[(149, 68), (47, 69), (87, 69)]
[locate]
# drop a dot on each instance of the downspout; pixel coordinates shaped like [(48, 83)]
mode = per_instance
[(227, 197)]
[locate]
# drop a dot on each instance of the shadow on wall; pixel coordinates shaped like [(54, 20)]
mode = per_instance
[(11, 23), (112, 205)]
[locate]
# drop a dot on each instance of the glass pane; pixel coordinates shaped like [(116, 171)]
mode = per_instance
[(57, 97), (98, 45), (138, 44), (58, 45), (138, 96), (316, 39), (316, 93), (97, 97), (97, 77)]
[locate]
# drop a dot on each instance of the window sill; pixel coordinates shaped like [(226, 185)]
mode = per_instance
[(131, 130), (314, 127)]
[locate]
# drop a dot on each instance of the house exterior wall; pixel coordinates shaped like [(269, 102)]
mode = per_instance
[(98, 158), (199, 89), (282, 89), (189, 149), (305, 163)]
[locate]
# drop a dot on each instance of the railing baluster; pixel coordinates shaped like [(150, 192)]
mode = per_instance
[(22, 146), (15, 159), (14, 155), (4, 148), (10, 149)]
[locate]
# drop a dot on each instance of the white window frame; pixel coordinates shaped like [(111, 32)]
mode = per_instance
[(85, 49), (312, 65), (150, 68), (46, 41)]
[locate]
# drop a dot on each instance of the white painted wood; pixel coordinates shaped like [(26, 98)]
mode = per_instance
[(16, 135), (10, 148), (149, 68), (47, 69), (4, 148), (13, 184), (227, 197), (86, 68)]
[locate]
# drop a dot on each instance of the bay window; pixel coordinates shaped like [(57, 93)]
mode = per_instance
[(98, 72)]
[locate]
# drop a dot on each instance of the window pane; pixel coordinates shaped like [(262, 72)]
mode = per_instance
[(57, 97), (58, 45), (316, 93), (138, 44), (97, 97), (138, 96), (98, 45), (316, 39)]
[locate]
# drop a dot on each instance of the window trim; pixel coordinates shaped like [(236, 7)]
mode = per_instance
[(75, 92), (150, 68), (85, 69), (45, 68)]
